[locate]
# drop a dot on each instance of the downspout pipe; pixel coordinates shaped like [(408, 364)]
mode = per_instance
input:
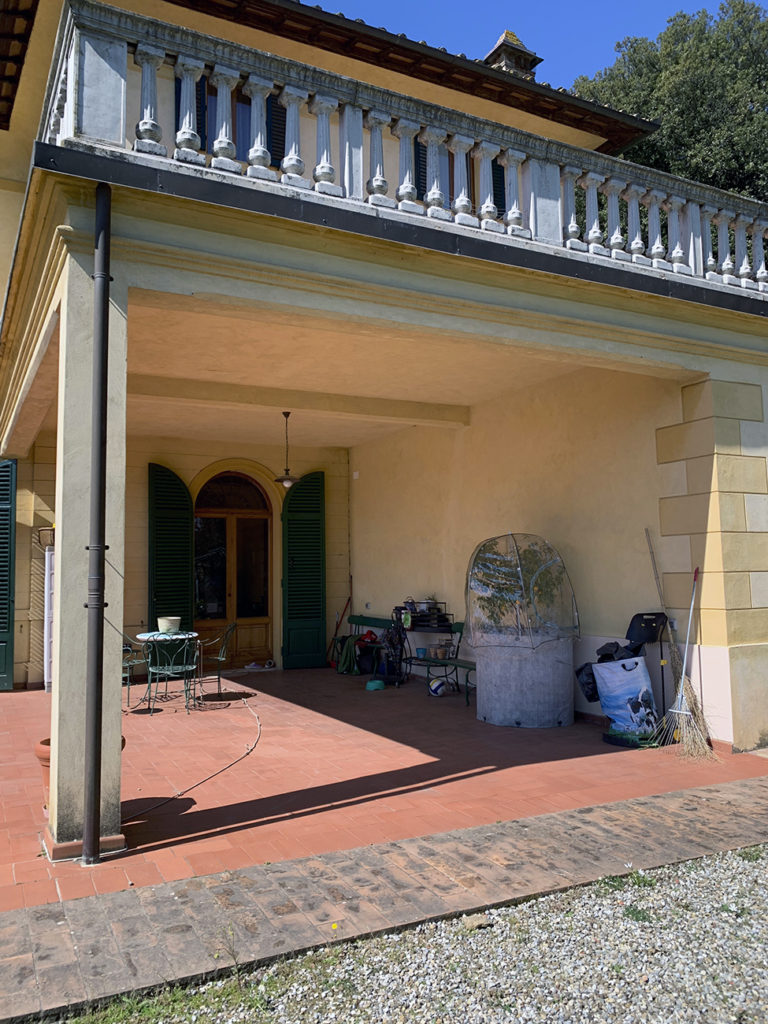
[(96, 546)]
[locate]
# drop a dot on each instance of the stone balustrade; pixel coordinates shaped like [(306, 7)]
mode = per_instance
[(115, 70)]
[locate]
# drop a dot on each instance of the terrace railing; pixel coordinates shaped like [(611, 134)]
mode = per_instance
[(210, 107)]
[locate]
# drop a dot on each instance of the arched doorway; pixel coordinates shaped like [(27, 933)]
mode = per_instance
[(233, 570)]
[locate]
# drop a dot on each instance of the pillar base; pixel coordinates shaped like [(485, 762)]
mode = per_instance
[(73, 850)]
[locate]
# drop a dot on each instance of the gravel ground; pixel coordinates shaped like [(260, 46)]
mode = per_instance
[(686, 943)]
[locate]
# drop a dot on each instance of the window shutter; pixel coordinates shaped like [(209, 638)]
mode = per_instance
[(304, 573), (499, 192), (7, 570), (420, 169), (171, 547), (275, 130)]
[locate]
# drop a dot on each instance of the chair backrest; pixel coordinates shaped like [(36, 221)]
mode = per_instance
[(172, 654), (226, 639)]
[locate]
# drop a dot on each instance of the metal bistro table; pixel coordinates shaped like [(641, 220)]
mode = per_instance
[(170, 656)]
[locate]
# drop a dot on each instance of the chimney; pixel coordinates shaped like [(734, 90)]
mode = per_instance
[(510, 55)]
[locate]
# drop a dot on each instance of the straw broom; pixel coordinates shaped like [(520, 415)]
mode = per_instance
[(684, 721)]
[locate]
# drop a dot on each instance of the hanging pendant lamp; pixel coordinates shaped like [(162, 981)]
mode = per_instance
[(286, 479)]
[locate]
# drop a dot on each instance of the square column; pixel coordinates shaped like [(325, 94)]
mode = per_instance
[(717, 454), (73, 467)]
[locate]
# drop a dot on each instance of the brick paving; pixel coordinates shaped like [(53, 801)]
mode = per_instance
[(364, 810)]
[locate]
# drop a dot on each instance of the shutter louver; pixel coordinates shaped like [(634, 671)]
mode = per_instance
[(7, 570), (171, 547), (304, 573), (499, 191)]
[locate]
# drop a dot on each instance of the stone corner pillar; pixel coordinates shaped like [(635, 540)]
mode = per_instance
[(719, 517), (73, 463)]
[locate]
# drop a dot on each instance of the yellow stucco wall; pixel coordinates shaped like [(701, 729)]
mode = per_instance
[(572, 460), (189, 460)]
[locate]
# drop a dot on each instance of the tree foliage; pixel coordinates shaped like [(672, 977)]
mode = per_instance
[(706, 80)]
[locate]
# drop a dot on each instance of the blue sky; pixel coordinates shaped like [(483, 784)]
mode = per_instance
[(573, 38)]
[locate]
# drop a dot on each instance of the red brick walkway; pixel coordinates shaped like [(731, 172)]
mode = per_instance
[(336, 768)]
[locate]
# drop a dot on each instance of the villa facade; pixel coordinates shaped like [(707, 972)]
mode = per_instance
[(480, 320)]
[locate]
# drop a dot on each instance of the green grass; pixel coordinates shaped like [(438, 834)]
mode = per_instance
[(181, 1004), (637, 914), (751, 854)]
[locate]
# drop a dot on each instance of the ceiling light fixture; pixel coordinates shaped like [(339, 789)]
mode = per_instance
[(286, 479)]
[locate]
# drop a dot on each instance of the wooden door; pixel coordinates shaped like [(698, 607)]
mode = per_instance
[(233, 540)]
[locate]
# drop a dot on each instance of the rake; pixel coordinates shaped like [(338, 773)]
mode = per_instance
[(683, 722)]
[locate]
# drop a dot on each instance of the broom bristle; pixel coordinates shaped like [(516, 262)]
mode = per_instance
[(684, 726)]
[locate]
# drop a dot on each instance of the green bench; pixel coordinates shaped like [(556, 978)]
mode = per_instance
[(360, 624), (447, 668)]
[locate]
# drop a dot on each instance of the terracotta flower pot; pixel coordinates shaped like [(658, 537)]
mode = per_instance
[(43, 755)]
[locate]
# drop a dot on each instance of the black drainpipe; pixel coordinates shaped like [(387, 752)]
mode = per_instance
[(96, 546)]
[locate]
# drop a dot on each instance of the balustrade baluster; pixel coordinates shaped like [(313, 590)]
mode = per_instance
[(406, 192), (324, 173), (460, 145), (432, 137), (690, 238), (148, 131), (259, 157), (187, 139), (57, 114), (611, 189), (593, 235), (652, 201), (568, 177), (725, 262), (224, 81), (710, 263), (377, 185), (635, 244), (743, 268), (675, 254), (292, 165), (759, 271), (511, 160), (484, 152)]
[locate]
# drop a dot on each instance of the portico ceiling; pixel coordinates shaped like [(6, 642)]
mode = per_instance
[(222, 373)]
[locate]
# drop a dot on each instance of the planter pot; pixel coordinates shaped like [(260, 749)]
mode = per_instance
[(43, 755)]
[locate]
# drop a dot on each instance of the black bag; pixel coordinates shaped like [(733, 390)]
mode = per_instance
[(585, 677)]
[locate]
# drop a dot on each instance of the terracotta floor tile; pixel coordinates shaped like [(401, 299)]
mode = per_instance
[(11, 898), (37, 893), (73, 888), (36, 870), (334, 768), (142, 872), (109, 879)]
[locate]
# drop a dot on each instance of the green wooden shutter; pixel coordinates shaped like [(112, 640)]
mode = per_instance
[(304, 573), (7, 570), (171, 547)]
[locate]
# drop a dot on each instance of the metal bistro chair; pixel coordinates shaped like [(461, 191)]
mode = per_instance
[(219, 647), (171, 656), (133, 656)]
